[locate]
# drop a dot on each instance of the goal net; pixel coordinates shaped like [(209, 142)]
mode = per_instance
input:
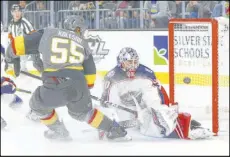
[(199, 69)]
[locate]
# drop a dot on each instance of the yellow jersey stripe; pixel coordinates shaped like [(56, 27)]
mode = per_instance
[(19, 45), (70, 67)]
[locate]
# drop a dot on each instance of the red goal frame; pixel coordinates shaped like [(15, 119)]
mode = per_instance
[(215, 81)]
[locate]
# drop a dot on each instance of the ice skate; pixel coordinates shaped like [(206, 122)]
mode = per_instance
[(32, 116), (16, 103), (198, 132), (57, 131), (116, 133), (3, 123)]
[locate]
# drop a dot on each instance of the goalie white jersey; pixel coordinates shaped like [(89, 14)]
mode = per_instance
[(119, 89), (143, 94)]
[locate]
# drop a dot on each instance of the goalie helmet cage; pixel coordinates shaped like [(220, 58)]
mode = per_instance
[(180, 25)]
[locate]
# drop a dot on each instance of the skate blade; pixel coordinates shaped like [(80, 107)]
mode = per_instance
[(56, 138), (121, 139), (68, 139), (16, 108), (64, 139)]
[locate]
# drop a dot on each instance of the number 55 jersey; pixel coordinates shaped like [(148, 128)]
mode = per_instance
[(64, 53)]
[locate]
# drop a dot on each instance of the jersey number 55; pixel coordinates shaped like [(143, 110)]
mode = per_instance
[(70, 52)]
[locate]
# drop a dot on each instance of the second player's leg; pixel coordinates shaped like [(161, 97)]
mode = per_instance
[(81, 109), (23, 62), (43, 103)]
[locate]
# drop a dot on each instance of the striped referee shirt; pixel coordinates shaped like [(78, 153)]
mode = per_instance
[(21, 27)]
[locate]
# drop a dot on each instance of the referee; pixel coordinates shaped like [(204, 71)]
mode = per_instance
[(21, 26)]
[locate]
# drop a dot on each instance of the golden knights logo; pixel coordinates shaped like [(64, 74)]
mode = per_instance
[(97, 46)]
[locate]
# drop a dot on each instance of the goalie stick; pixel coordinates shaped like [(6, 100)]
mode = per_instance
[(115, 105), (126, 124)]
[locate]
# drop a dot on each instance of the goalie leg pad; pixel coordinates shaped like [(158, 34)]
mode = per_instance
[(183, 126)]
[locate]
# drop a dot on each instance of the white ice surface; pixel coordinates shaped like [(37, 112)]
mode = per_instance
[(23, 137)]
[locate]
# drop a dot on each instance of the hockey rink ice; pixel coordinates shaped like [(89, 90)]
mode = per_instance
[(24, 137)]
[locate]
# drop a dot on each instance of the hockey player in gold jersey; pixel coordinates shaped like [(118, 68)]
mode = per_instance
[(69, 72)]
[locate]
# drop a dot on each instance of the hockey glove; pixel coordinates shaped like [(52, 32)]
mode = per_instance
[(37, 62), (7, 86)]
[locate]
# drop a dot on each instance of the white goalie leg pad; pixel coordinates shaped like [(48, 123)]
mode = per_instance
[(159, 122)]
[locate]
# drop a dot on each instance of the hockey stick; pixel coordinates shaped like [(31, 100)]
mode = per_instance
[(126, 124), (31, 75), (23, 90), (115, 105), (93, 97)]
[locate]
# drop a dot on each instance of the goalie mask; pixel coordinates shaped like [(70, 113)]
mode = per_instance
[(76, 24), (128, 61)]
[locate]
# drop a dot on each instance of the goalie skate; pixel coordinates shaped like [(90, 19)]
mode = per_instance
[(200, 133)]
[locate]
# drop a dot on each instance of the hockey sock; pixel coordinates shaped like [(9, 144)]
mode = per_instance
[(100, 121), (50, 119)]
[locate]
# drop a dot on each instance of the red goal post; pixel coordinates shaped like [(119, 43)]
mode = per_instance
[(194, 26)]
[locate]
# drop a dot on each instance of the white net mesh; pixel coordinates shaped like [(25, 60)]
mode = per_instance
[(193, 70), (223, 68)]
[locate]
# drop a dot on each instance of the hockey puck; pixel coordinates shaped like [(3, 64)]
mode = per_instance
[(187, 80)]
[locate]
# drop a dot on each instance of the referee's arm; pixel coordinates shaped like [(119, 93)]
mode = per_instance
[(28, 27)]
